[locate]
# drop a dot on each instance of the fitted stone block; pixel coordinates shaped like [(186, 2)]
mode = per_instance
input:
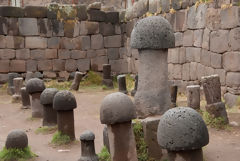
[(14, 42), (193, 54), (3, 26), (3, 42), (81, 12), (101, 52), (28, 26), (213, 20), (165, 5), (51, 54), (37, 54), (13, 27), (47, 74), (113, 53), (197, 38), (113, 41), (96, 15), (83, 65), (170, 71), (233, 79), (35, 11), (97, 41), (89, 28), (106, 29), (3, 78), (206, 39), (188, 38), (91, 54), (186, 71), (7, 54), (17, 66), (36, 42), (152, 6), (180, 19), (97, 63), (31, 65), (196, 17), (53, 42), (45, 65), (58, 65), (193, 71), (216, 60), (112, 17), (77, 54), (177, 71), (85, 42), (201, 71), (64, 74), (71, 28), (44, 27), (23, 54), (234, 39), (119, 66), (10, 11), (205, 58), (4, 66), (222, 75), (230, 17), (231, 61), (178, 39), (71, 65), (219, 41), (57, 27), (64, 54), (67, 43)]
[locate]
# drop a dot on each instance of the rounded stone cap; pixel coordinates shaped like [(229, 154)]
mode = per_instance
[(47, 96), (17, 139), (153, 32), (64, 101), (117, 108), (35, 85), (182, 128), (87, 136)]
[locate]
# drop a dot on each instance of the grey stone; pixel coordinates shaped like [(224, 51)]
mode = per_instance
[(177, 71), (44, 27), (14, 42), (25, 98), (193, 96), (196, 17), (188, 38), (176, 4), (35, 11), (233, 79), (87, 136), (213, 20), (76, 81), (186, 71), (178, 39), (6, 54), (89, 28), (83, 65), (113, 53), (91, 54), (31, 65), (57, 27), (36, 42), (77, 54), (81, 12), (112, 17), (230, 17), (28, 26), (206, 39), (95, 5), (234, 39), (47, 96), (16, 139), (10, 11), (37, 54), (231, 61), (193, 71), (45, 65), (13, 26), (96, 15), (116, 108), (152, 33), (64, 101), (205, 58), (216, 60), (119, 66), (182, 128), (23, 54), (52, 11), (137, 10), (51, 54), (197, 38), (3, 78), (231, 100), (4, 66), (97, 41), (64, 54), (165, 5), (219, 41), (53, 42), (218, 110), (49, 74), (152, 6), (222, 75), (71, 65), (3, 26), (17, 66), (113, 41), (121, 79), (97, 63), (106, 29), (35, 85)]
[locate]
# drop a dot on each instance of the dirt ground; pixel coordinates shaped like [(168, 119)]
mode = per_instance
[(224, 144)]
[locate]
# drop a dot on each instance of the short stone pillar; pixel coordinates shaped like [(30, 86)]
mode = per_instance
[(212, 90), (107, 78), (183, 133), (133, 92), (35, 87), (18, 83), (117, 111), (193, 96), (49, 114), (174, 92), (25, 98), (87, 147), (16, 139), (64, 102), (122, 87), (152, 36), (11, 76), (76, 81)]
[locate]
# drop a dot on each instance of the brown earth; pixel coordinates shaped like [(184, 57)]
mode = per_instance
[(224, 144)]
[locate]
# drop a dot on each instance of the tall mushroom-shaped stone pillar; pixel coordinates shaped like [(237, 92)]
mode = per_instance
[(152, 36), (117, 111), (49, 114), (35, 87), (64, 102), (183, 133)]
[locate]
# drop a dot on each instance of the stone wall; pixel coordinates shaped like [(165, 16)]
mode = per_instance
[(207, 39), (59, 40)]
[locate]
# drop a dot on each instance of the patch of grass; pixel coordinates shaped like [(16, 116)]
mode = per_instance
[(104, 155), (4, 86), (142, 149), (46, 130), (92, 79), (59, 85), (32, 119), (16, 154), (218, 123), (60, 139), (130, 82)]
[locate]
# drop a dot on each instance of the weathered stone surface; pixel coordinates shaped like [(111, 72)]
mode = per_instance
[(233, 79), (71, 65), (3, 26), (188, 38), (14, 42), (18, 66), (186, 71), (51, 54), (106, 29), (9, 11), (13, 27), (193, 96), (216, 60), (113, 53), (52, 11), (222, 75), (196, 17), (44, 27), (234, 38), (35, 85), (97, 41), (58, 65), (165, 5), (36, 42), (57, 27), (44, 65), (178, 39), (6, 54), (152, 6), (205, 58), (186, 132), (230, 17), (197, 38), (23, 54), (37, 54), (97, 63), (231, 100), (142, 35), (121, 107), (113, 41), (96, 15), (53, 42), (95, 5), (48, 74), (3, 42), (177, 71), (16, 139), (193, 71), (77, 54), (28, 26), (129, 27), (231, 61), (213, 20), (64, 54), (31, 65), (218, 110), (87, 28), (47, 96), (83, 65), (64, 101), (4, 66), (3, 78), (71, 28), (112, 17), (119, 66), (176, 4), (63, 74), (81, 12), (91, 54), (137, 10), (219, 41), (35, 11), (121, 79), (193, 54), (206, 39)]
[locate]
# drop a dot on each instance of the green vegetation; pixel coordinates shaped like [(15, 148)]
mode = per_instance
[(104, 155), (142, 149), (92, 79), (130, 82), (60, 139), (59, 85), (218, 123), (16, 154), (46, 130)]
